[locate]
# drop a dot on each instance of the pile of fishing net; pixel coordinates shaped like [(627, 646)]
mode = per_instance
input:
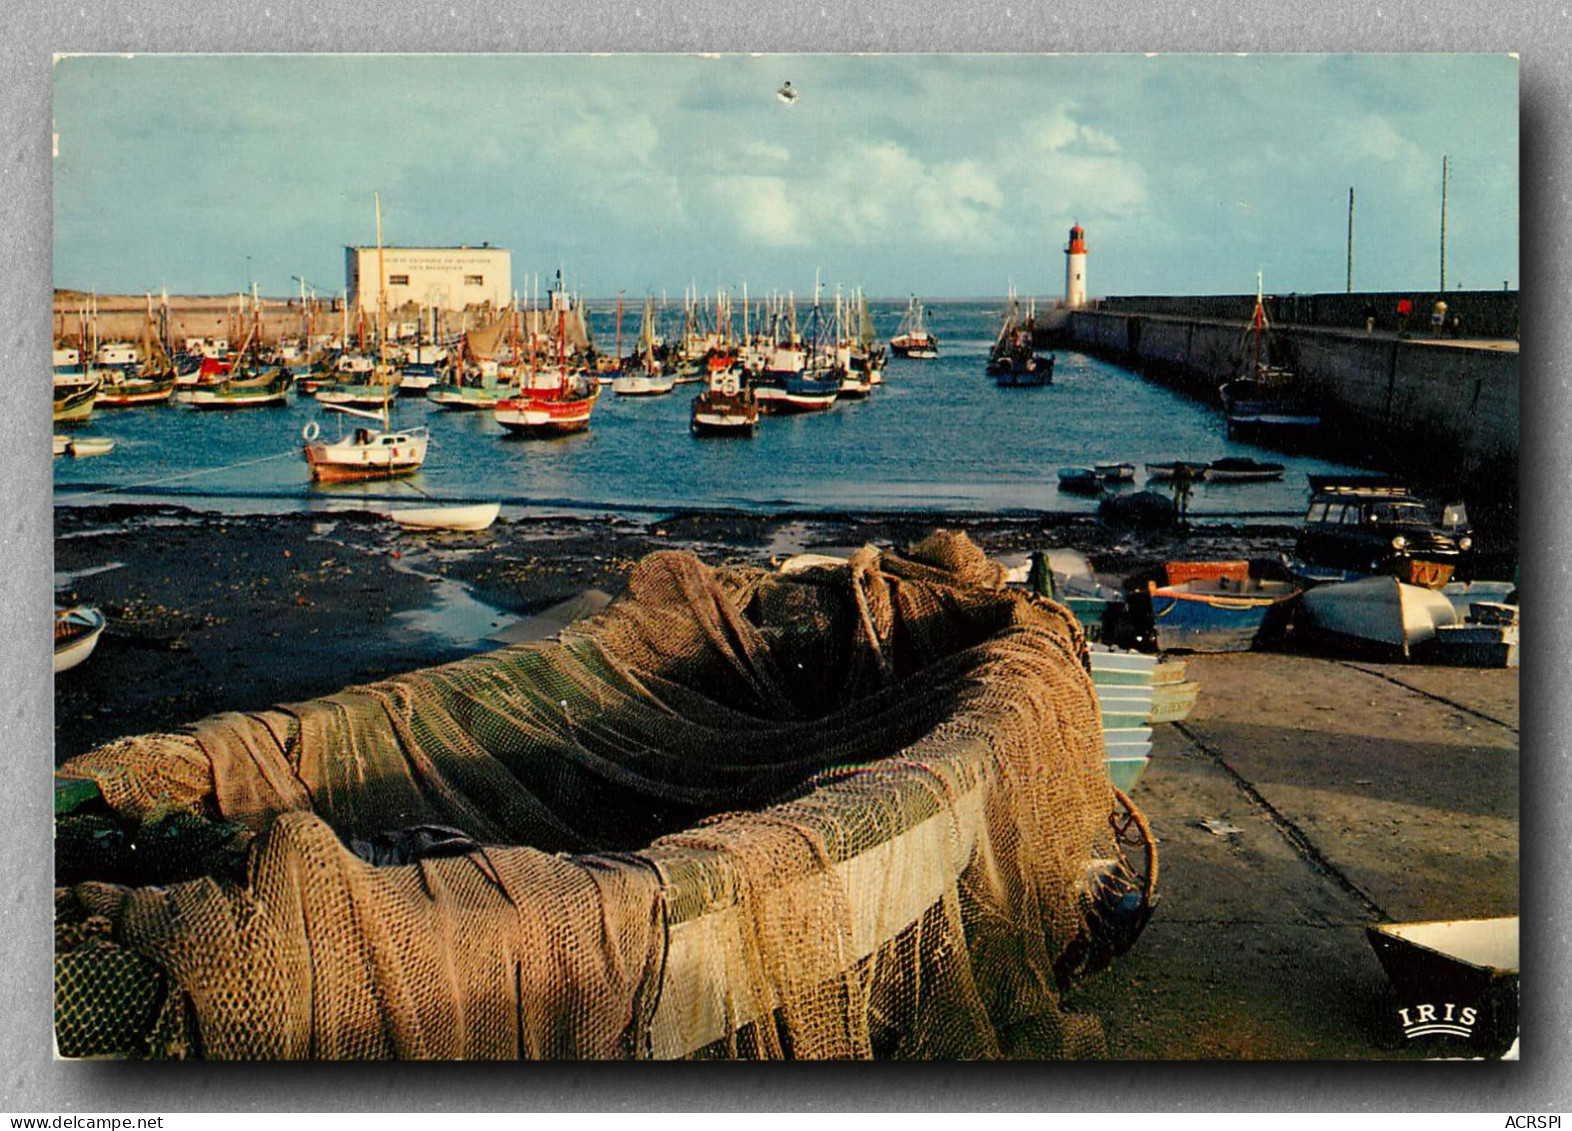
[(858, 809)]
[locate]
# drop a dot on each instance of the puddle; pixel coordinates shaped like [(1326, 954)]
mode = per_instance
[(788, 539), (68, 578), (453, 615)]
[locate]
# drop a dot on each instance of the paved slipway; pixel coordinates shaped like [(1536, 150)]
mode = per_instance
[(1362, 791)]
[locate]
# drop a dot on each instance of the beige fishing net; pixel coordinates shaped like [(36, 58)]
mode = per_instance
[(855, 810)]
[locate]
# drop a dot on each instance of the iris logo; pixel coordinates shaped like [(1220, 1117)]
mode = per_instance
[(1444, 1020)]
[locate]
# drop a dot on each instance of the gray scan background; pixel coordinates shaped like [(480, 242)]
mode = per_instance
[(31, 1081)]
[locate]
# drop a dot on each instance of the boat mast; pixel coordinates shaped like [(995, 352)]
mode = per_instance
[(382, 337), (1260, 317)]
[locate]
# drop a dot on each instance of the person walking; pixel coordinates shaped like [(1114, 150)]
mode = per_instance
[(1183, 478), (1405, 310)]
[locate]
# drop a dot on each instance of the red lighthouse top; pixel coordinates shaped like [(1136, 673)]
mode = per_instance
[(1077, 241)]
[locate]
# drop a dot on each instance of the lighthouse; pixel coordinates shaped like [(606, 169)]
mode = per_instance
[(1075, 269)]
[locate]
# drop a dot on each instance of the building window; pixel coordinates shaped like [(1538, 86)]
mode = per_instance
[(398, 280), (474, 280)]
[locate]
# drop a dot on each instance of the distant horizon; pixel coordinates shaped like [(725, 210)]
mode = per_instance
[(952, 174)]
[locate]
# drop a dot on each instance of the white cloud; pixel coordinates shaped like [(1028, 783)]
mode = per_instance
[(864, 193)]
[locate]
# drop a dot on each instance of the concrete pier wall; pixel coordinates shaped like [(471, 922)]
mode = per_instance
[(1412, 401)]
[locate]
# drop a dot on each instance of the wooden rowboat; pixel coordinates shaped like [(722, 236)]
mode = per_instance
[(77, 631)]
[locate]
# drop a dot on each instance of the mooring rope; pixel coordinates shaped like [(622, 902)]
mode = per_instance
[(292, 453)]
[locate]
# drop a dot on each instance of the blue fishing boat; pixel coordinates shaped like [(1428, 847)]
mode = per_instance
[(1216, 610)]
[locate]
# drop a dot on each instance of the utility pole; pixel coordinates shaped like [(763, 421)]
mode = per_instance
[(1350, 239), (1445, 168)]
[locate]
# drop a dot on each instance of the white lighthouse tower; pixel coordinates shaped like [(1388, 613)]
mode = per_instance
[(1075, 269)]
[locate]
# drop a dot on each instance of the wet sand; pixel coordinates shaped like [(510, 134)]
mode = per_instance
[(1362, 791)]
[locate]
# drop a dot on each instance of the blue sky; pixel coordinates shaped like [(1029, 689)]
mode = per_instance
[(948, 175)]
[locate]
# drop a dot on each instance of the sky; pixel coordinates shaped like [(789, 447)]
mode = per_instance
[(949, 176)]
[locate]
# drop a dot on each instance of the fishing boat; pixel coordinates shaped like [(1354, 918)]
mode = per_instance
[(74, 401), (243, 385), (1215, 607), (1379, 610), (367, 453), (467, 390), (1266, 402), (727, 407), (802, 376), (478, 516), (554, 400), (643, 375), (77, 630), (867, 357), (1080, 481), (129, 392), (269, 388), (1013, 362), (1237, 469), (912, 337)]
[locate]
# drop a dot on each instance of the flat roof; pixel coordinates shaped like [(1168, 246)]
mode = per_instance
[(424, 247)]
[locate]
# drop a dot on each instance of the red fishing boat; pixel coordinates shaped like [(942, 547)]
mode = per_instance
[(554, 400)]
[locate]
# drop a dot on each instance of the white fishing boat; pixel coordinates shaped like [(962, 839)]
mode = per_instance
[(642, 383), (477, 516), (62, 444), (642, 375), (77, 631), (912, 338), (368, 453), (1382, 610)]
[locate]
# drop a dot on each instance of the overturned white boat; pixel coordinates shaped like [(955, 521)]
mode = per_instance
[(1381, 610)]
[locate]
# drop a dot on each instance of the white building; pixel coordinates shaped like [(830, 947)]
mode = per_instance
[(449, 278)]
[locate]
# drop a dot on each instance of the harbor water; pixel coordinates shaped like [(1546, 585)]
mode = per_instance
[(938, 436)]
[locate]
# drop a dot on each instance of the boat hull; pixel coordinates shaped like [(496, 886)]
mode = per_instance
[(132, 395), (1379, 610), (538, 416), (76, 635), (342, 462), (643, 385), (477, 517), (1217, 616)]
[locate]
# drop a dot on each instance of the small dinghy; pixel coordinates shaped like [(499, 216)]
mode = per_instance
[(476, 517), (77, 631), (1163, 472), (1238, 470), (91, 446), (1080, 481), (1115, 472)]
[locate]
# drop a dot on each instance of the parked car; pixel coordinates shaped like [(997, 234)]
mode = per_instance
[(1359, 526)]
